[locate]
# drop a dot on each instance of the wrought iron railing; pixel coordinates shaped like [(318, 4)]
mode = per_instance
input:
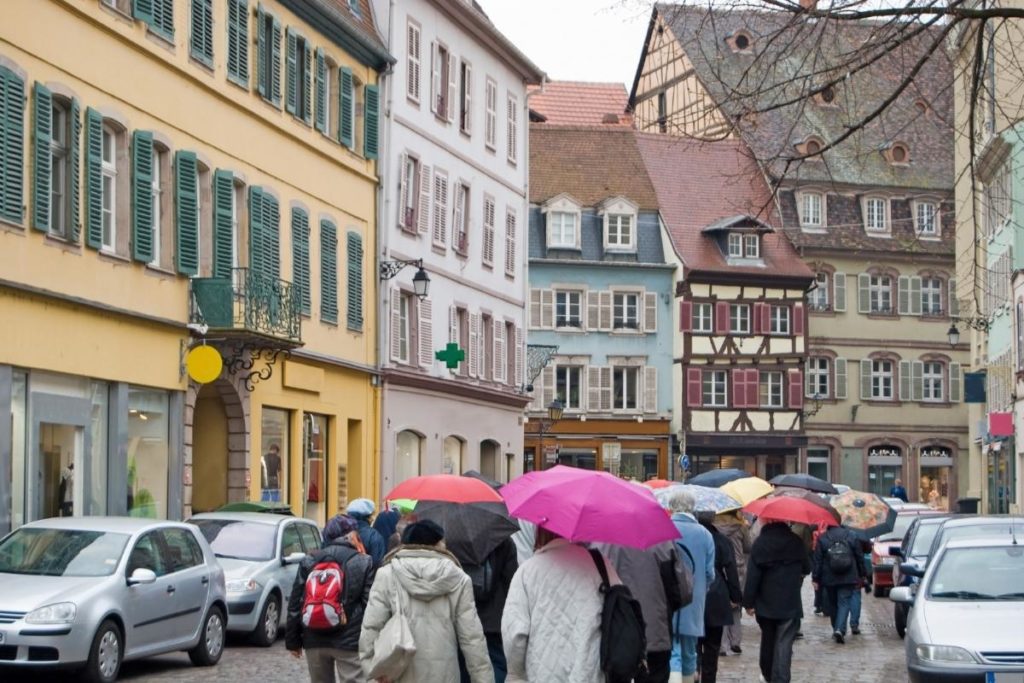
[(248, 301)]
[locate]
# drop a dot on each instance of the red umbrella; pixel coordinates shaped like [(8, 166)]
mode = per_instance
[(789, 509), (447, 487), (659, 483)]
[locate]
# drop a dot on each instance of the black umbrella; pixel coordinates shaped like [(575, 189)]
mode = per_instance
[(471, 530), (804, 481), (715, 478), (473, 474)]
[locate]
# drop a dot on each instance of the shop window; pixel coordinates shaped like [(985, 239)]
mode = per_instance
[(490, 454), (274, 463), (569, 386), (453, 449), (408, 455), (19, 451), (314, 468), (148, 451), (639, 465), (96, 493), (818, 463), (885, 467), (936, 470)]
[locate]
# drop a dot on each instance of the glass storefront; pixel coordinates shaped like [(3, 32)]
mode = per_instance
[(274, 463), (584, 458), (148, 450), (819, 463), (638, 465), (452, 461), (408, 455), (936, 468), (19, 422), (885, 466), (99, 421), (1001, 478), (314, 470)]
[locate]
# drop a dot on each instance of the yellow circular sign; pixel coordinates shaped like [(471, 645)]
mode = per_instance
[(204, 364)]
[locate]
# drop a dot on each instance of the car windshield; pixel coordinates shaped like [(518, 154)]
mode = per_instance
[(972, 531), (923, 539), (979, 574), (236, 540), (61, 552), (899, 529)]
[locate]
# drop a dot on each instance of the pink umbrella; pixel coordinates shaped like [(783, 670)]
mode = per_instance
[(595, 507)]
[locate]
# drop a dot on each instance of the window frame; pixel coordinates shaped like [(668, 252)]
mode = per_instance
[(933, 380), (108, 242), (735, 317), (559, 230), (714, 389), (570, 370), (734, 243), (755, 240), (156, 194), (702, 307), (805, 215), (616, 305), (777, 315), (934, 219), (614, 229), (60, 173), (932, 288), (876, 291), (629, 378), (465, 113), (819, 370), (878, 377), (771, 389), (871, 227), (820, 298), (569, 305)]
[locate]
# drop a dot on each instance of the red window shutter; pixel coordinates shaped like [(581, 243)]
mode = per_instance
[(796, 388), (766, 319), (693, 387), (798, 320), (722, 317), (757, 319), (739, 388), (685, 316), (753, 377)]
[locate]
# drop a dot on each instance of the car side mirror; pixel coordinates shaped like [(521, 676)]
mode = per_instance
[(911, 569), (292, 558), (895, 551), (142, 576), (902, 594)]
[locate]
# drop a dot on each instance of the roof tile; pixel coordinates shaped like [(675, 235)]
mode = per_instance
[(574, 103)]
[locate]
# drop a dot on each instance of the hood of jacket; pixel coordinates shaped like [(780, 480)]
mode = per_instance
[(777, 543), (426, 572)]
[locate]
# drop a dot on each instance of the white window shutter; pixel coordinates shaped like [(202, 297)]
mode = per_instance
[(412, 88), (606, 387), (650, 312), (904, 295), (435, 76), (864, 293), (500, 360), (537, 400), (471, 352), (453, 89), (547, 309), (440, 222), (955, 383), (915, 295), (840, 365), (468, 126), (839, 292), (426, 333), (917, 380), (606, 311), (650, 389), (487, 255), (906, 384), (453, 324), (593, 320), (426, 191), (403, 189), (458, 229), (395, 328), (535, 308), (510, 241), (865, 379), (954, 303), (520, 357), (594, 388), (549, 386)]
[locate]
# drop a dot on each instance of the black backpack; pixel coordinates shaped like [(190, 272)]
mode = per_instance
[(482, 576), (623, 633), (840, 556)]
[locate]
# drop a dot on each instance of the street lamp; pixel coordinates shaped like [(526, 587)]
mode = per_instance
[(555, 410), (954, 335), (420, 281)]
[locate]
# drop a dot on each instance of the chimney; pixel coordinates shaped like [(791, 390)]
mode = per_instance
[(612, 119)]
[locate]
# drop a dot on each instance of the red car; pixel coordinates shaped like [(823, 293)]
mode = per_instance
[(881, 561)]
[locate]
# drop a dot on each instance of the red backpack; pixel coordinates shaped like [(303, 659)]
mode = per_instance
[(322, 607)]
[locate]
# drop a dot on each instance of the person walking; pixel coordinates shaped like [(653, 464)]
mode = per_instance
[(776, 569), (735, 527), (724, 593), (898, 491), (865, 583), (839, 571), (338, 651), (491, 581), (426, 579), (699, 548), (551, 628), (386, 525), (361, 509)]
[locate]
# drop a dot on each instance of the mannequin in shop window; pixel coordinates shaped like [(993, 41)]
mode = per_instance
[(271, 466), (66, 492)]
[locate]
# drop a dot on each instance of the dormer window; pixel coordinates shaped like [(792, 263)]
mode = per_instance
[(812, 210), (740, 41), (620, 231), (620, 216), (876, 214), (897, 154), (735, 245), (563, 222), (744, 245), (810, 148), (926, 218)]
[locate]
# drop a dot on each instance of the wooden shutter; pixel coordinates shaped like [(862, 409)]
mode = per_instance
[(435, 77), (412, 76), (605, 312), (606, 388), (238, 41), (519, 360), (865, 379), (917, 380), (263, 69), (256, 256), (328, 271), (460, 238), (201, 38), (905, 377), (440, 217), (758, 319), (143, 10), (510, 241), (395, 325), (798, 320), (371, 121), (650, 311), (474, 339), (512, 133), (291, 73), (75, 170), (839, 292), (453, 324), (12, 146), (186, 204), (547, 392), (955, 383), (275, 63), (466, 106), (738, 377), (766, 319), (500, 358), (796, 388), (863, 293), (426, 333), (954, 303), (685, 316), (163, 17), (453, 87), (320, 91), (346, 100), (547, 309), (142, 196), (915, 295), (534, 321), (223, 239), (593, 373), (300, 257), (93, 178), (592, 320), (650, 389), (840, 367), (404, 189), (488, 248), (753, 384), (426, 189), (42, 137), (694, 390), (354, 284), (721, 317), (271, 236), (305, 83), (904, 295)]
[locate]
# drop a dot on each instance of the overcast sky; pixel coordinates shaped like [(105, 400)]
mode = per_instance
[(578, 40)]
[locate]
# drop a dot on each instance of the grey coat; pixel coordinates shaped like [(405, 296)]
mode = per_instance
[(738, 534)]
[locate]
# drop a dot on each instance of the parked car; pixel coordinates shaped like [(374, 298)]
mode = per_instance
[(91, 592), (914, 551), (259, 553), (882, 560), (965, 616), (975, 526)]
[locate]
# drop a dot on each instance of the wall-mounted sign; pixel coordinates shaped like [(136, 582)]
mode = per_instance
[(936, 452), (884, 452)]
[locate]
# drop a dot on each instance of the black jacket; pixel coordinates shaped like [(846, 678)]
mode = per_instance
[(359, 572), (823, 573), (504, 563), (776, 568), (725, 589)]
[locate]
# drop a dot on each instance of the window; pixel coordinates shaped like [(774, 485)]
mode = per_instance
[(512, 129), (625, 309), (933, 375), (442, 82), (770, 390), (460, 218), (238, 41), (404, 301), (408, 452), (811, 210), (183, 550), (997, 196), (876, 216), (412, 62), (12, 149), (931, 296), (751, 246), (880, 292), (299, 80), (735, 245), (60, 158), (268, 56), (568, 309), (562, 230), (491, 114), (109, 189), (702, 321), (620, 231), (927, 219), (465, 97), (818, 377), (779, 320), (409, 192), (818, 298), (713, 390), (201, 36), (662, 112), (882, 379), (739, 319), (624, 388), (568, 389)]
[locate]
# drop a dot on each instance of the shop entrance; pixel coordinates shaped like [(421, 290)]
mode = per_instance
[(60, 439), (209, 451)]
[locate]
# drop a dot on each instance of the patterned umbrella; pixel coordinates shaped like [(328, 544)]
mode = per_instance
[(865, 513), (716, 478), (705, 499), (804, 494), (747, 489)]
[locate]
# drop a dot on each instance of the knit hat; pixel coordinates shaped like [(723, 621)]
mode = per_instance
[(361, 507), (339, 525), (424, 532)]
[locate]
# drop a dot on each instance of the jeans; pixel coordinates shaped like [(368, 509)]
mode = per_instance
[(839, 599), (496, 653), (684, 654), (708, 647), (323, 662), (657, 667), (777, 636), (855, 598)]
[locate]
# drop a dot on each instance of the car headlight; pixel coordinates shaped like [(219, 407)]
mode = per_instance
[(242, 586), (57, 613), (943, 653)]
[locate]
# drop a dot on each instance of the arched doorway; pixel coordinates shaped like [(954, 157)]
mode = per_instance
[(490, 455), (452, 461), (408, 455), (217, 417)]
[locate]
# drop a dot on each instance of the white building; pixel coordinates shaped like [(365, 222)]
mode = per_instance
[(454, 164)]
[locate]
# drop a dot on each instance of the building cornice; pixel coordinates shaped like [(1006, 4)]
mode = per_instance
[(478, 26), (875, 342), (329, 20), (611, 264), (452, 388)]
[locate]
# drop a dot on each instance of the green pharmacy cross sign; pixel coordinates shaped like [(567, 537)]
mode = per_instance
[(452, 355)]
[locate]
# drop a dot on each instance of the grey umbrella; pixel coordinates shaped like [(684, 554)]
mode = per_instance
[(471, 530)]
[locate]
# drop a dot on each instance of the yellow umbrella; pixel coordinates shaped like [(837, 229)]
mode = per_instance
[(747, 489)]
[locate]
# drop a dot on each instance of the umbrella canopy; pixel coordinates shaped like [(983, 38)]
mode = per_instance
[(583, 505), (658, 483), (804, 494), (865, 513), (716, 478), (804, 481), (471, 530), (747, 489), (447, 487), (404, 505), (789, 509), (257, 506), (704, 499), (493, 483)]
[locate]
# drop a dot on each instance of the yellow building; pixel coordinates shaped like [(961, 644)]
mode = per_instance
[(174, 173)]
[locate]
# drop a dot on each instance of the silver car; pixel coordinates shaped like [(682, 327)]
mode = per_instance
[(965, 619), (91, 592), (259, 552)]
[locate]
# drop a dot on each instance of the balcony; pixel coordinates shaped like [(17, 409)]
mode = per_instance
[(249, 306)]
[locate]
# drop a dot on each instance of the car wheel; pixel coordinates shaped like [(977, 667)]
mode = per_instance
[(270, 619), (900, 619), (211, 640), (105, 654)]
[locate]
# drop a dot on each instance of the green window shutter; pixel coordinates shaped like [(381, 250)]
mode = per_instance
[(275, 63), (354, 250), (865, 379), (863, 293), (43, 110), (142, 196), (201, 38), (223, 239), (346, 97), (163, 17), (12, 146), (307, 84), (263, 69), (257, 260), (300, 257), (371, 122), (143, 10), (321, 91), (955, 383), (328, 272), (186, 203), (271, 236), (238, 41), (291, 74), (93, 179), (75, 163)]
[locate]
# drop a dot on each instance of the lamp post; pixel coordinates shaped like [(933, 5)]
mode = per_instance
[(954, 335), (420, 281), (555, 410)]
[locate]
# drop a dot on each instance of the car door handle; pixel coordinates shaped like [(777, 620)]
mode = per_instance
[(170, 589), (205, 580)]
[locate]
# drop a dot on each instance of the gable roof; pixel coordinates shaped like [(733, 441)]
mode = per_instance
[(575, 103), (700, 184), (786, 53), (352, 28)]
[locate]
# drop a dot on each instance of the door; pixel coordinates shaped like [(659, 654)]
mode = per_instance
[(209, 451), (291, 542), (58, 473), (148, 608), (189, 583)]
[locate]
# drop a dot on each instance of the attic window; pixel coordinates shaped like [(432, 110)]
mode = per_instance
[(811, 148), (741, 41), (921, 106), (828, 95), (898, 153), (354, 6)]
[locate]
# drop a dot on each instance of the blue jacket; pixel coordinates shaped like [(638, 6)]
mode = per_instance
[(375, 544), (689, 621)]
